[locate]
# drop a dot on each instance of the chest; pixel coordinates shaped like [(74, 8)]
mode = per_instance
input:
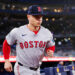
[(31, 40)]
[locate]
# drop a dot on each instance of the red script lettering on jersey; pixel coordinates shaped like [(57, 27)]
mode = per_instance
[(31, 44)]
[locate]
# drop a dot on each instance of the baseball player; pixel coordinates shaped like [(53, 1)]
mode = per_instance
[(32, 41)]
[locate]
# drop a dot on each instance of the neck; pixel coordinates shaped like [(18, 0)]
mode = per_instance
[(33, 28)]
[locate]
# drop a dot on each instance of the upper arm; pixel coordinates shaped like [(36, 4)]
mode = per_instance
[(51, 41), (11, 37)]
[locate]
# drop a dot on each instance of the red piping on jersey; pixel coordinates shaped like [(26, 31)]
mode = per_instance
[(18, 70), (6, 49), (51, 48), (36, 31)]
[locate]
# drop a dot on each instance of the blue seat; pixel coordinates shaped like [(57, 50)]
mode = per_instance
[(49, 71), (59, 71)]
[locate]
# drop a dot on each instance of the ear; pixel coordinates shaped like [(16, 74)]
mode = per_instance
[(28, 16)]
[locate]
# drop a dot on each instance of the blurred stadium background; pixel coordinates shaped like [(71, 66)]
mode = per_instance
[(60, 19)]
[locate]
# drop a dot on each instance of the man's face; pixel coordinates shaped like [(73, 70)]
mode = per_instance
[(35, 20)]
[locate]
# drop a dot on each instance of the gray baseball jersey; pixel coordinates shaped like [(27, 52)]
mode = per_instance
[(30, 47)]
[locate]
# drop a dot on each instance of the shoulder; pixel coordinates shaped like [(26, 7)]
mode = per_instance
[(16, 29), (46, 31), (21, 27), (13, 30)]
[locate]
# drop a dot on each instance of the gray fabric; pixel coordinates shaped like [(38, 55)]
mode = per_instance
[(21, 70), (33, 44)]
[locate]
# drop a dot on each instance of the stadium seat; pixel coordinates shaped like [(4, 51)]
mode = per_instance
[(49, 71)]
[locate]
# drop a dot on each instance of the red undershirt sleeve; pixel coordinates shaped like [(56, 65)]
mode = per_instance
[(6, 49), (51, 48)]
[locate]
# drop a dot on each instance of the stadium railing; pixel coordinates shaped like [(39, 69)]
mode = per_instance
[(65, 70)]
